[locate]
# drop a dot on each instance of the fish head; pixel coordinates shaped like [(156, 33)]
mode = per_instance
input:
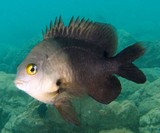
[(35, 77)]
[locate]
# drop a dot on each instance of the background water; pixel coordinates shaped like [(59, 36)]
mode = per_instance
[(21, 23)]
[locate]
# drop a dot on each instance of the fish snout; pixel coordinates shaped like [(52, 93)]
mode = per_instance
[(18, 83)]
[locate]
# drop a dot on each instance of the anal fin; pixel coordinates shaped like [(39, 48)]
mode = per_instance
[(106, 89)]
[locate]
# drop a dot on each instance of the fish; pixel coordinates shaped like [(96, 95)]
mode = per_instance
[(76, 60)]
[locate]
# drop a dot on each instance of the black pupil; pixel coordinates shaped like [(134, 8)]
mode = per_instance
[(33, 68)]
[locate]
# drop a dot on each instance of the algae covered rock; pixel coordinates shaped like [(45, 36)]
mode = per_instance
[(151, 57), (124, 39), (123, 130), (11, 56), (8, 57), (4, 117), (129, 115), (106, 117), (114, 115), (147, 97), (11, 98), (152, 74), (150, 122), (12, 101), (30, 121), (129, 89)]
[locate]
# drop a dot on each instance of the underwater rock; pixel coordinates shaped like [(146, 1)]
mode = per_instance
[(114, 115), (152, 74), (12, 101), (124, 39), (42, 110), (150, 122), (4, 67), (4, 116), (151, 57), (123, 130), (30, 121), (128, 115), (147, 97), (8, 58), (94, 119), (129, 89), (11, 56), (10, 97)]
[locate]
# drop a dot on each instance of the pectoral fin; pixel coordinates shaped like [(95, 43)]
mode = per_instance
[(67, 111), (71, 88)]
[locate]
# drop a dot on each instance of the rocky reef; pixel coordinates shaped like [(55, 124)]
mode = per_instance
[(123, 130), (136, 110)]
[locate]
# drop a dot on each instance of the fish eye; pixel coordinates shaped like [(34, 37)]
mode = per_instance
[(31, 69)]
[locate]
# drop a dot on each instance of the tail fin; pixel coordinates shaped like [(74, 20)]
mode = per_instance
[(126, 68)]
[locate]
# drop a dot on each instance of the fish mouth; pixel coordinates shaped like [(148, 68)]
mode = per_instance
[(18, 82)]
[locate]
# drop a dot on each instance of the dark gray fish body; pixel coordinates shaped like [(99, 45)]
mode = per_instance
[(76, 60), (91, 69)]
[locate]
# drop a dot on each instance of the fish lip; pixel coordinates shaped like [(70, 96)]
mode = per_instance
[(18, 82)]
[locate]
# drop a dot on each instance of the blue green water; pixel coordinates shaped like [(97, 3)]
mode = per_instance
[(23, 20), (21, 24)]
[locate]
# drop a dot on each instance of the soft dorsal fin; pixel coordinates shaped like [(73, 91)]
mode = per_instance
[(100, 34)]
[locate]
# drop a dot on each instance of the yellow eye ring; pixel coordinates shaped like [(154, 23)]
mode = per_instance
[(31, 69)]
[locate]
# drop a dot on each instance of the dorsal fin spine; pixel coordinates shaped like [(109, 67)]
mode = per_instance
[(43, 33), (77, 22), (55, 22), (71, 22), (46, 29), (51, 25), (60, 23), (96, 33)]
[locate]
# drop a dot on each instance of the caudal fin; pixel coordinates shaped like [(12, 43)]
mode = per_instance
[(126, 68)]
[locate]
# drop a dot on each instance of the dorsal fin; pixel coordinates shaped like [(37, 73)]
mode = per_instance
[(100, 34)]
